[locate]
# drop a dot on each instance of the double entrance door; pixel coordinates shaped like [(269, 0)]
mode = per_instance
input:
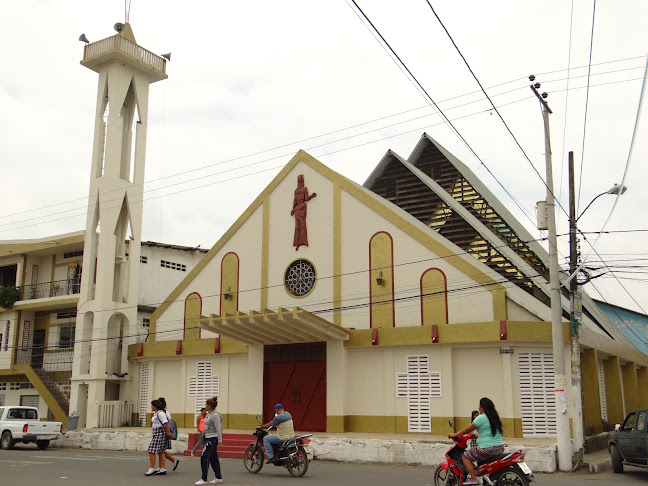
[(295, 376)]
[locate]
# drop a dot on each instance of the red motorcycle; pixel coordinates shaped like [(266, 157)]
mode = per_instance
[(506, 469)]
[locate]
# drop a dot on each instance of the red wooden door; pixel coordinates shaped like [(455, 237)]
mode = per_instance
[(296, 378)]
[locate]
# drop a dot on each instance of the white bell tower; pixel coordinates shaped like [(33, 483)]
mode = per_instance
[(107, 309)]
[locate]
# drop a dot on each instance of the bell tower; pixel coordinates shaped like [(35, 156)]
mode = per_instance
[(107, 309)]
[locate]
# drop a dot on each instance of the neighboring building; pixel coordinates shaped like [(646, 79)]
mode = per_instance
[(633, 324), (37, 334), (391, 307)]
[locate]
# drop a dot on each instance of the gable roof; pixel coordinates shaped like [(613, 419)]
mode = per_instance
[(443, 193), (438, 244)]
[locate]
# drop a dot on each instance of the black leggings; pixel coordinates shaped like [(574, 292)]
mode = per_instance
[(210, 456)]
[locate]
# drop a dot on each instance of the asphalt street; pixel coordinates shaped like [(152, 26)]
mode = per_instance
[(75, 467)]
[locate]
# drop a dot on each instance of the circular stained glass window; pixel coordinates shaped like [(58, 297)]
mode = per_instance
[(300, 278)]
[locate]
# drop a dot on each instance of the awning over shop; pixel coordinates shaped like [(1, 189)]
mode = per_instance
[(281, 327)]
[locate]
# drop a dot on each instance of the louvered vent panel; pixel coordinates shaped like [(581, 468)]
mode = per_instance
[(418, 385), (203, 385), (601, 377), (144, 392), (537, 394)]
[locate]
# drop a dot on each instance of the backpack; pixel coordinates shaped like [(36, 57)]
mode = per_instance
[(173, 428)]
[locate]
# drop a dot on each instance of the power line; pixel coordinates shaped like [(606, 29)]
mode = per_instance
[(589, 66)]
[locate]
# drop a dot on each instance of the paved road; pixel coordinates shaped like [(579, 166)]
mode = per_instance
[(73, 467)]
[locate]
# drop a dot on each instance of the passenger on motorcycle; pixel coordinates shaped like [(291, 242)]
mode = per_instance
[(489, 442), (285, 431)]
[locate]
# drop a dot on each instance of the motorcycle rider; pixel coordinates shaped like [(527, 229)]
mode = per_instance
[(285, 431), (489, 441)]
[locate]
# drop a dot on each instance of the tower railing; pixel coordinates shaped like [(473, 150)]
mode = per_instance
[(118, 43)]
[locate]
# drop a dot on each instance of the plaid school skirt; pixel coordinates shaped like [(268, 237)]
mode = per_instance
[(159, 441)]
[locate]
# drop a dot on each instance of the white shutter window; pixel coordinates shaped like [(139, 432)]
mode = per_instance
[(418, 385), (601, 377), (29, 401), (203, 386), (537, 394), (144, 392)]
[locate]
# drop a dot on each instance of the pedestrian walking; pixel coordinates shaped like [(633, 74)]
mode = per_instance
[(168, 455), (161, 431), (213, 440), (200, 427)]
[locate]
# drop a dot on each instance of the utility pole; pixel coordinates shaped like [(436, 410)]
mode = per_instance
[(563, 440), (575, 316)]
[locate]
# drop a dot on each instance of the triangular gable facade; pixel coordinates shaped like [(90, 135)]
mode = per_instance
[(440, 191)]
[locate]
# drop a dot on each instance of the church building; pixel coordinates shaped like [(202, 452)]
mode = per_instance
[(391, 307)]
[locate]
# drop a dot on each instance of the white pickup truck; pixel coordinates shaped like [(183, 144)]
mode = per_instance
[(22, 424)]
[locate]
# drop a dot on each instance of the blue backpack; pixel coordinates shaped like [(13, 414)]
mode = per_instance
[(173, 428)]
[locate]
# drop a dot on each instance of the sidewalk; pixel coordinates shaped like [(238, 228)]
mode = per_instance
[(419, 449)]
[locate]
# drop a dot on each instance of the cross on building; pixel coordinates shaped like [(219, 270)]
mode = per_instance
[(418, 385), (203, 385)]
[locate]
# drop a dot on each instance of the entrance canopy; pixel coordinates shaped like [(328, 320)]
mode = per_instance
[(281, 327)]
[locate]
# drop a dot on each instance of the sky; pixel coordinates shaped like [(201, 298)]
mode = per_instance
[(250, 83)]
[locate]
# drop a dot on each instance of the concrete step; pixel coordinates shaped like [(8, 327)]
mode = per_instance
[(234, 445)]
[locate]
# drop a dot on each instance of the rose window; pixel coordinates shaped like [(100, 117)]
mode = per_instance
[(300, 278)]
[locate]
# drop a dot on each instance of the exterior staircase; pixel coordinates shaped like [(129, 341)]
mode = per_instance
[(234, 445), (54, 387)]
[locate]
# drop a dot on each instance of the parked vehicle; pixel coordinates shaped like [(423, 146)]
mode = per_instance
[(508, 469), (292, 454), (628, 444), (22, 424)]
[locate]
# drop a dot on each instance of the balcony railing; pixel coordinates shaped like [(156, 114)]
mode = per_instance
[(56, 360), (44, 290)]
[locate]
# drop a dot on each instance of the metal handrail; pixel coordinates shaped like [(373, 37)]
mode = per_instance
[(55, 288)]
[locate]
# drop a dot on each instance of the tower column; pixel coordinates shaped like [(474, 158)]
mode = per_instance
[(107, 310)]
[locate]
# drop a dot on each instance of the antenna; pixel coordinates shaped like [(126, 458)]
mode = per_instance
[(127, 5)]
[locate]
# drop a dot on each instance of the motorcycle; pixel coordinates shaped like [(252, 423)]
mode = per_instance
[(291, 454), (508, 469)]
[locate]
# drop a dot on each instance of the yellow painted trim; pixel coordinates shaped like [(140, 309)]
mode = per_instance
[(17, 329), (642, 385), (26, 304), (265, 252), (472, 332), (462, 263), (51, 282), (190, 347), (591, 392), (17, 248), (21, 277), (337, 256), (499, 304), (629, 375), (335, 424), (42, 390)]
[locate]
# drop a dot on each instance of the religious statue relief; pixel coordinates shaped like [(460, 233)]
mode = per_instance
[(299, 210)]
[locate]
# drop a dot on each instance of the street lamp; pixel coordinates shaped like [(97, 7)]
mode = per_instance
[(575, 300)]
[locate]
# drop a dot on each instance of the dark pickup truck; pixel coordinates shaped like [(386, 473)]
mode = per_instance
[(629, 442)]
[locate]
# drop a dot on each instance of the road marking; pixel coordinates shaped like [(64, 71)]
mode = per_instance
[(25, 463), (88, 458)]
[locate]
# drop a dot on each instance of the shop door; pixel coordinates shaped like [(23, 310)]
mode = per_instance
[(295, 376), (38, 349)]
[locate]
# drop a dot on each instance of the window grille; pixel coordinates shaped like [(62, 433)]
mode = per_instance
[(537, 394), (73, 254), (14, 386), (66, 336), (173, 266), (143, 259)]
